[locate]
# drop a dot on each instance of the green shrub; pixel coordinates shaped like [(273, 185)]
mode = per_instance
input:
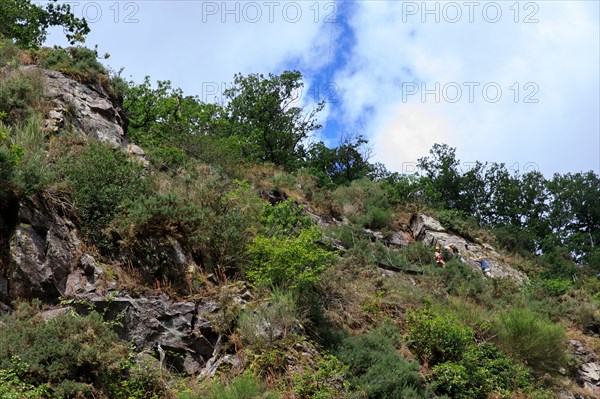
[(365, 203), (243, 387), (293, 262), (351, 237), (417, 253), (284, 219), (287, 252), (79, 63), (12, 385), (458, 222), (437, 337), (323, 383), (138, 377), (460, 279), (532, 339), (208, 215), (20, 93), (32, 172), (9, 52), (9, 158), (103, 179), (295, 365), (375, 367), (558, 286), (70, 352), (482, 372)]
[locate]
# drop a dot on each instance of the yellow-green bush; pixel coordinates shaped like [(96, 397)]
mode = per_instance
[(532, 339)]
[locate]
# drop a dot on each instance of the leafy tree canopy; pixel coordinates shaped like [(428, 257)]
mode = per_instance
[(264, 116), (27, 23)]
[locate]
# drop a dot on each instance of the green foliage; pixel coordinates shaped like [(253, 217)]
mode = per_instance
[(442, 170), (27, 23), (375, 367), (20, 93), (284, 219), (245, 386), (401, 189), (437, 337), (343, 164), (287, 252), (32, 171), (9, 53), (317, 384), (137, 378), (417, 253), (263, 117), (79, 63), (558, 286), (70, 352), (458, 222), (365, 203), (459, 279), (12, 385), (173, 127), (294, 262), (208, 215), (103, 179), (482, 372), (532, 339)]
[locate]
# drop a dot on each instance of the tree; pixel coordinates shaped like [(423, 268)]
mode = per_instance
[(343, 164), (168, 124), (574, 214), (264, 118), (27, 23), (443, 172)]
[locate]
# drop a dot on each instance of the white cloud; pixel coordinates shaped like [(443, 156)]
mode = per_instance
[(196, 44), (554, 61), (407, 132), (199, 44)]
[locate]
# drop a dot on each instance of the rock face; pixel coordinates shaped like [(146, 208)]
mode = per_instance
[(588, 372), (588, 376), (87, 111), (44, 249), (179, 333), (428, 230)]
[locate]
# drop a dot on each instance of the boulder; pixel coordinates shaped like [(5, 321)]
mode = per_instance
[(88, 277), (180, 332), (420, 224), (401, 239), (44, 249)]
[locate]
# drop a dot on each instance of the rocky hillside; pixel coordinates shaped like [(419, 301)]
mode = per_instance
[(220, 274)]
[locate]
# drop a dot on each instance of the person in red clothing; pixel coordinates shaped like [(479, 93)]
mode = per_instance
[(438, 257)]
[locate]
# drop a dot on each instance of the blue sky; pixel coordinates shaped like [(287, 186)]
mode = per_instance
[(513, 82)]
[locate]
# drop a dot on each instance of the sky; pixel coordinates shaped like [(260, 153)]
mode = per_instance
[(516, 82)]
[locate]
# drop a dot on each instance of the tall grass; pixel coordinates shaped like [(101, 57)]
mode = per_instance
[(243, 387), (532, 339), (32, 172)]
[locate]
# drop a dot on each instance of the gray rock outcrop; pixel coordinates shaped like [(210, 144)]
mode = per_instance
[(430, 231), (44, 249), (588, 375), (85, 110), (179, 333)]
